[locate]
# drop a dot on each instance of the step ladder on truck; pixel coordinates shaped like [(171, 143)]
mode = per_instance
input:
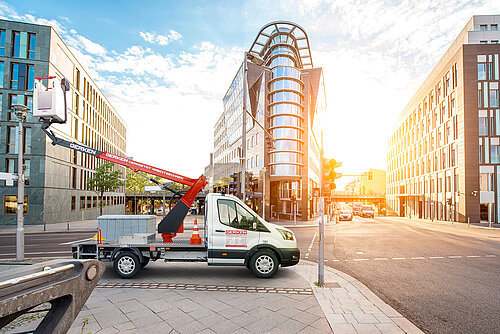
[(234, 235)]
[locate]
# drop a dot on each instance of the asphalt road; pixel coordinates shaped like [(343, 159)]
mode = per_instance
[(443, 278), (47, 244)]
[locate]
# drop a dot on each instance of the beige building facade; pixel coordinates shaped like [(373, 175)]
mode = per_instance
[(444, 155)]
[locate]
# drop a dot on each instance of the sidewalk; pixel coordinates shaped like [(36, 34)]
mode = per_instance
[(196, 298)]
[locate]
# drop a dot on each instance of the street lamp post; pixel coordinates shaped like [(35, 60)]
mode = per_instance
[(20, 111), (264, 170)]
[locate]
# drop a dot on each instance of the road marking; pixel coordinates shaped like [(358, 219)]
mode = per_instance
[(361, 259), (75, 242), (307, 254), (490, 255), (335, 260), (455, 256), (399, 258), (380, 259), (436, 257), (418, 258), (473, 256), (360, 253)]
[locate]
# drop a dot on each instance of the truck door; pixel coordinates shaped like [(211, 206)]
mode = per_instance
[(235, 231)]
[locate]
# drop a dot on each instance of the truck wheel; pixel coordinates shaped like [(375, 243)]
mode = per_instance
[(264, 264), (126, 265), (145, 262)]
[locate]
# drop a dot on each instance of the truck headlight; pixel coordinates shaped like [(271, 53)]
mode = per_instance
[(287, 235)]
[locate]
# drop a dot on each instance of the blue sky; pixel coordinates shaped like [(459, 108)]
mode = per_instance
[(172, 62)]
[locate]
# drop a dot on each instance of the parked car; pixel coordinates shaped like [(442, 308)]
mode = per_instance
[(345, 214), (367, 211)]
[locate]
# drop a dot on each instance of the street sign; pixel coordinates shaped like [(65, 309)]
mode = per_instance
[(316, 192)]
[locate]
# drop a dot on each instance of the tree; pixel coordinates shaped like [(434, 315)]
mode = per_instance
[(105, 179)]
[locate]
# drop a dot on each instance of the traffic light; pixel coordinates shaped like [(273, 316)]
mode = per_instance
[(329, 175), (234, 184)]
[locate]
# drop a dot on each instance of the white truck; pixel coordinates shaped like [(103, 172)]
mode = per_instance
[(234, 234)]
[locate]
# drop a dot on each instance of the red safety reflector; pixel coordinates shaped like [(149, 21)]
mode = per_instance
[(152, 248)]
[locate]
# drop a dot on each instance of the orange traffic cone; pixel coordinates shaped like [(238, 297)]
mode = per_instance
[(195, 238)]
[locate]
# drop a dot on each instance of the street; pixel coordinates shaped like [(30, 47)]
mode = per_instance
[(44, 244), (443, 278)]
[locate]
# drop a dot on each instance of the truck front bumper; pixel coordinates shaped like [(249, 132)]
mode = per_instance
[(290, 256)]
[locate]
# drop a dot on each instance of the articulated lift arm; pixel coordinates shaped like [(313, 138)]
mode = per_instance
[(172, 222)]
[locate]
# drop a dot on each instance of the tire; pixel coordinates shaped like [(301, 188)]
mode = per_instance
[(145, 262), (264, 264), (126, 264)]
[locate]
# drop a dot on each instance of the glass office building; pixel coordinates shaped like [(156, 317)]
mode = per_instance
[(286, 95), (56, 176)]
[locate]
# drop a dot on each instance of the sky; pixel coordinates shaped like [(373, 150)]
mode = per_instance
[(166, 65)]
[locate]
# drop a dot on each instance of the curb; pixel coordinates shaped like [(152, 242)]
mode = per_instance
[(51, 232), (399, 320)]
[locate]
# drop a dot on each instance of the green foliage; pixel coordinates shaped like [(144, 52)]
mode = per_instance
[(136, 182), (223, 181), (105, 179)]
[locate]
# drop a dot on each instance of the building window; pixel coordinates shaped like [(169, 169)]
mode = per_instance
[(494, 27), (495, 154), (10, 204), (481, 71), (31, 46), (94, 202), (12, 139), (27, 171), (77, 80), (27, 141), (82, 202), (89, 202), (483, 126), (16, 43), (10, 165), (2, 69), (493, 97), (483, 27), (73, 178), (2, 42), (22, 76), (73, 203)]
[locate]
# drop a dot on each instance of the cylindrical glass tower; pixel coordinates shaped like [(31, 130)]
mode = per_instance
[(285, 104)]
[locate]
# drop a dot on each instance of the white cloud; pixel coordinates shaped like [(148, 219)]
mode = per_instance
[(154, 38)]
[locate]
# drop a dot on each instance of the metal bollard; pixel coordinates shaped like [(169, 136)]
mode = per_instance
[(44, 226), (67, 227), (468, 221)]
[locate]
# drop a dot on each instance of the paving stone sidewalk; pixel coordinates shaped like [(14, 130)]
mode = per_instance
[(174, 303)]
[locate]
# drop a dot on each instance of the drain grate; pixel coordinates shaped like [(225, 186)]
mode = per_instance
[(199, 287)]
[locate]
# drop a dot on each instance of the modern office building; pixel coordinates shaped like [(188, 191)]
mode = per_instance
[(286, 96), (56, 177), (444, 155), (371, 182)]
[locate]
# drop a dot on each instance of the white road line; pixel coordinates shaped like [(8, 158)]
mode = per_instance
[(325, 260), (418, 258), (399, 258), (307, 254), (490, 255), (360, 259), (473, 255), (436, 257), (335, 260), (75, 242), (380, 259), (455, 256)]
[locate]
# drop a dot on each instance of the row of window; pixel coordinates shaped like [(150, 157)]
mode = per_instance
[(91, 202), (23, 44), (489, 150), (484, 27), (433, 185)]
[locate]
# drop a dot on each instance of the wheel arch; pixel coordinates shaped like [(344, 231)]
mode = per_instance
[(134, 250), (259, 247)]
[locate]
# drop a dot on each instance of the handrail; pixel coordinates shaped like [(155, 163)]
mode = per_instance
[(26, 278)]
